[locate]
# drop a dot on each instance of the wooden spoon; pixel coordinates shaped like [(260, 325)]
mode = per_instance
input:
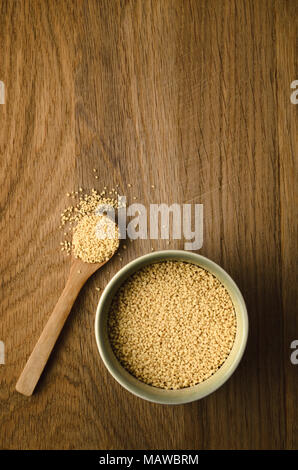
[(78, 275)]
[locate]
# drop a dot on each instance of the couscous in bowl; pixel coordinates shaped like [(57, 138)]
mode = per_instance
[(138, 387)]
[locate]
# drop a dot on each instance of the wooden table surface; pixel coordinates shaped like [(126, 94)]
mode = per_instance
[(193, 97)]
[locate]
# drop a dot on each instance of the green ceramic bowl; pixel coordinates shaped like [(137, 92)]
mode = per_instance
[(148, 392)]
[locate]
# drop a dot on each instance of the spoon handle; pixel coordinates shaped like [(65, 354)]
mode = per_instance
[(43, 348)]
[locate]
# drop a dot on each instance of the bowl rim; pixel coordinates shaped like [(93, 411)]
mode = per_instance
[(154, 257)]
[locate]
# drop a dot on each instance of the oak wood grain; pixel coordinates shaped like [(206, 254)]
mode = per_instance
[(192, 97)]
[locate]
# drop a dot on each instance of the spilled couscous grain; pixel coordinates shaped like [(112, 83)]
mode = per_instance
[(172, 324)]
